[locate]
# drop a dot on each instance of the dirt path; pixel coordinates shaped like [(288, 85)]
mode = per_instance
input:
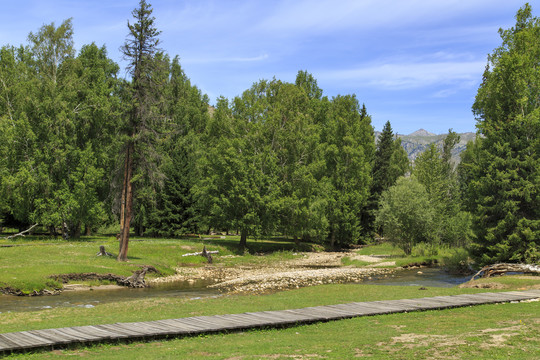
[(306, 270)]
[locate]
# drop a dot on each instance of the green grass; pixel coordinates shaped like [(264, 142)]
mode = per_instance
[(487, 332), (29, 262), (347, 261)]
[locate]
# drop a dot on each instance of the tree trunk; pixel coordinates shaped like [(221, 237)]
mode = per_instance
[(76, 231), (124, 187), (87, 230), (124, 235), (332, 238), (296, 241), (243, 240)]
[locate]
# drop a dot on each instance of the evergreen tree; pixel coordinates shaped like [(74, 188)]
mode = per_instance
[(390, 162), (176, 211), (434, 170), (140, 51), (504, 173)]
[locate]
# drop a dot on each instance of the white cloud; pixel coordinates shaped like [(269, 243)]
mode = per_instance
[(402, 75), (207, 60), (322, 15)]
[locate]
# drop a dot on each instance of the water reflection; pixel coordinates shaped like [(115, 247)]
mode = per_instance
[(434, 277)]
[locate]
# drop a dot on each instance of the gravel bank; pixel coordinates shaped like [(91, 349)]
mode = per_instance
[(307, 270)]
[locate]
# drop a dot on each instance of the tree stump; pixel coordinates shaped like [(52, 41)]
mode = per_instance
[(207, 255), (102, 251)]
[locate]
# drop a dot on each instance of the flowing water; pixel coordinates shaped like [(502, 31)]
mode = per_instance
[(427, 277), (87, 299)]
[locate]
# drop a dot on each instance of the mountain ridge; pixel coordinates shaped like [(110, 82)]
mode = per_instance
[(416, 142)]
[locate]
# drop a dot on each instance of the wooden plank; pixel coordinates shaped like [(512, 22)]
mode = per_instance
[(181, 329), (205, 324), (348, 309), (230, 323), (92, 333), (183, 326), (398, 306), (54, 334), (257, 319), (320, 313), (446, 301), (371, 308), (82, 336), (39, 341), (126, 328), (286, 315), (146, 329), (7, 344), (21, 341), (119, 331), (201, 324)]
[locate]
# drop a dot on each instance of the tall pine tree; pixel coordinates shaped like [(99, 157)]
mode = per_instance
[(140, 51), (504, 176)]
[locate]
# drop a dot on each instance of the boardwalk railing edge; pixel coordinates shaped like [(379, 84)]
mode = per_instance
[(32, 340)]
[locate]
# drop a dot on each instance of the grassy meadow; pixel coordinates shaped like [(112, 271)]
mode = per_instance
[(482, 332)]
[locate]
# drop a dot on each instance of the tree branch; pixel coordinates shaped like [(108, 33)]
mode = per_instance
[(22, 232)]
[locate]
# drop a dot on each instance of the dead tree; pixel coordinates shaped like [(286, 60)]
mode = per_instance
[(503, 268)]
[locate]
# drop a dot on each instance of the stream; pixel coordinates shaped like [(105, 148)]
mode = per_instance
[(429, 277)]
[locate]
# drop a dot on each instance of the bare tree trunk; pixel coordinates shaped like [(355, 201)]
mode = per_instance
[(124, 187), (243, 239), (332, 238), (124, 235)]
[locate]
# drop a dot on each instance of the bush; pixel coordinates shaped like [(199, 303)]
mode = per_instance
[(406, 214), (458, 262)]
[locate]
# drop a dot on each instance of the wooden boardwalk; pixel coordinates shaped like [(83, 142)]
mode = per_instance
[(54, 338)]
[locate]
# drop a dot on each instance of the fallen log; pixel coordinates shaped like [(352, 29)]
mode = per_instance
[(21, 233), (503, 268), (204, 253), (136, 280), (201, 253)]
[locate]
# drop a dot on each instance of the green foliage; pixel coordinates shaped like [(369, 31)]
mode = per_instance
[(390, 162), (458, 262), (502, 170), (348, 147), (406, 214), (435, 171)]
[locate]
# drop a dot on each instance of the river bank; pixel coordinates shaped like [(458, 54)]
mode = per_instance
[(307, 269)]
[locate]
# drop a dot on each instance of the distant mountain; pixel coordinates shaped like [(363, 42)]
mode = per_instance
[(422, 132), (418, 141)]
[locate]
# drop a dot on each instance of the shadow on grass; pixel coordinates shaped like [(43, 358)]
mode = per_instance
[(256, 245)]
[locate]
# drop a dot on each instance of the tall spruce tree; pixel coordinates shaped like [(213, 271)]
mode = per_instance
[(385, 173), (390, 162), (140, 51), (504, 173)]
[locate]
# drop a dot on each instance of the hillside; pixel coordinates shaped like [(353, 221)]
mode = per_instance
[(416, 142)]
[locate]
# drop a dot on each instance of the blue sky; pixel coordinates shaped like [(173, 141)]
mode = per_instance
[(417, 63)]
